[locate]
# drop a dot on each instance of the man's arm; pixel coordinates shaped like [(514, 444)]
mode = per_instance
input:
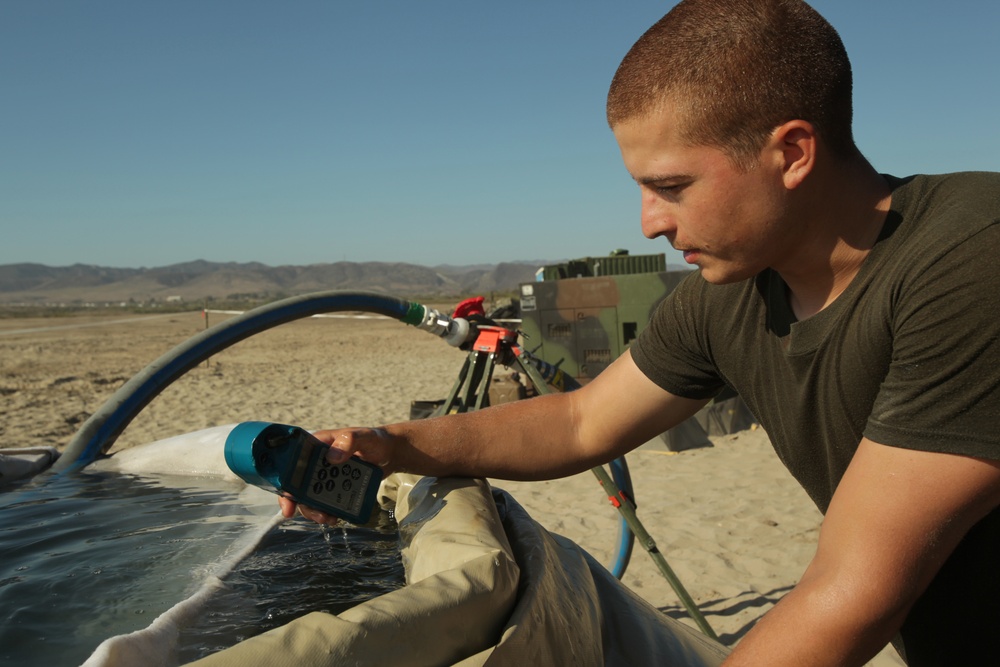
[(541, 438), (895, 518)]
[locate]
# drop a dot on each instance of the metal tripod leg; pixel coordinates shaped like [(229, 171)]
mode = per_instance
[(626, 507), (471, 388)]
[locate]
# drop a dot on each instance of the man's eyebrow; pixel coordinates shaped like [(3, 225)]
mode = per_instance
[(661, 178)]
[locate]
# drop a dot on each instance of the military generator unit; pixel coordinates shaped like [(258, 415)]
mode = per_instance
[(581, 315)]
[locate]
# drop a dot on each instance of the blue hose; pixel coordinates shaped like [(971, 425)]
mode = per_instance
[(102, 429), (625, 539)]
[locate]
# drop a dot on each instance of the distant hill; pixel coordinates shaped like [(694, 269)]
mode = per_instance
[(200, 280)]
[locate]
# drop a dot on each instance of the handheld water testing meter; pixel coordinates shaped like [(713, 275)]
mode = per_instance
[(290, 460)]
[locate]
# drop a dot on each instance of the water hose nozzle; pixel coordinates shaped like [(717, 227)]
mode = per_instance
[(455, 331)]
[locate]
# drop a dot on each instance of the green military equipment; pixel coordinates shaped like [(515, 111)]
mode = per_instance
[(582, 314), (616, 264)]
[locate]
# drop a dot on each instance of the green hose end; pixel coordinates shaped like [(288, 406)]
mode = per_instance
[(414, 314)]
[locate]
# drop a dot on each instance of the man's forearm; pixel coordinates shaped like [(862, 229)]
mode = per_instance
[(524, 440), (818, 625), (895, 518), (544, 437)]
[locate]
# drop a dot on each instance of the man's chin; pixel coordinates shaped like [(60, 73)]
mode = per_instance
[(724, 275)]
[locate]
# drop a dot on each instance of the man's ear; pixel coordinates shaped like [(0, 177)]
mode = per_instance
[(795, 144)]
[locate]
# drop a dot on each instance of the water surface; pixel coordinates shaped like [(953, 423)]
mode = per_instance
[(96, 554)]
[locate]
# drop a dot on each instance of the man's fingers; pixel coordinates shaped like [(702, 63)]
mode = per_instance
[(317, 516), (287, 506), (341, 441)]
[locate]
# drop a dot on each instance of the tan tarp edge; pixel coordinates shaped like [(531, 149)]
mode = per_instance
[(486, 585)]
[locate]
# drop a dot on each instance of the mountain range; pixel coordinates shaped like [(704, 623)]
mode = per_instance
[(31, 284)]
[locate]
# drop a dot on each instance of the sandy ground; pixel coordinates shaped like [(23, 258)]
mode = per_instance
[(731, 522)]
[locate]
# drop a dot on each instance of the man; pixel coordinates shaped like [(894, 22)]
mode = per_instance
[(854, 312)]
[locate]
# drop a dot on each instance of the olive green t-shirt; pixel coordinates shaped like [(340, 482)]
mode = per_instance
[(907, 356)]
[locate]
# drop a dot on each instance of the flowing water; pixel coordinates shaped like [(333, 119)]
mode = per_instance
[(90, 555)]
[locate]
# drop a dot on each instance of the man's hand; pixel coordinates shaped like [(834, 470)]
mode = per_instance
[(369, 444)]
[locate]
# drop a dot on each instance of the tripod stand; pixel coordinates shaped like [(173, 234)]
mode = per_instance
[(497, 345)]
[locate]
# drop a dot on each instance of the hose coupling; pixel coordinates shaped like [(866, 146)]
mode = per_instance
[(454, 331)]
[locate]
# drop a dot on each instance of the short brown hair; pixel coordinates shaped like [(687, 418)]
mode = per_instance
[(738, 69)]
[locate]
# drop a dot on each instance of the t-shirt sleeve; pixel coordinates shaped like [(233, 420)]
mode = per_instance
[(671, 351), (942, 390)]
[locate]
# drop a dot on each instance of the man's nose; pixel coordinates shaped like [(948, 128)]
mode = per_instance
[(656, 219)]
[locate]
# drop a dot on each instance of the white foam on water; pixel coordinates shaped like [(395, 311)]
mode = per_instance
[(191, 455), (156, 645)]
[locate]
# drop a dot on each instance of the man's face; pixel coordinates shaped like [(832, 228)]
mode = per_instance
[(729, 223)]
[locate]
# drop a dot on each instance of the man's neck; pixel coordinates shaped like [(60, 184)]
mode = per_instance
[(844, 212)]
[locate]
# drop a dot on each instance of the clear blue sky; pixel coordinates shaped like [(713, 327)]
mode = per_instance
[(150, 133)]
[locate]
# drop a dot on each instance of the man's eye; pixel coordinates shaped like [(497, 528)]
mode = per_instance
[(670, 189)]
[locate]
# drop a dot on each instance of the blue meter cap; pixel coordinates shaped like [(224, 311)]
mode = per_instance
[(243, 453)]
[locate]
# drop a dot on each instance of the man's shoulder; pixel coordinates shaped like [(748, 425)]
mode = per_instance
[(969, 191), (955, 178), (937, 214)]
